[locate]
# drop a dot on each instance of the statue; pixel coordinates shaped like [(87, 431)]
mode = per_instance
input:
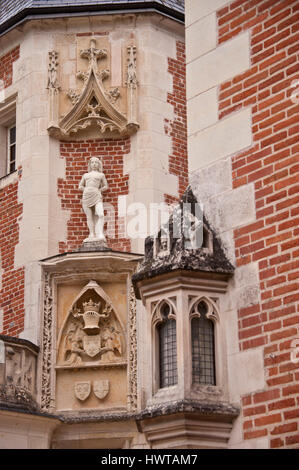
[(92, 184)]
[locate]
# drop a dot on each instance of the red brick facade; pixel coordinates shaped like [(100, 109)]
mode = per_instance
[(271, 164), (177, 129), (77, 155), (6, 68), (13, 280)]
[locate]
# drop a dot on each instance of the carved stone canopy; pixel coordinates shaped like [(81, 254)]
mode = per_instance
[(173, 250), (94, 106)]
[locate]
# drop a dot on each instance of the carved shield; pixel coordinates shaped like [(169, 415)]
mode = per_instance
[(92, 345), (82, 390), (101, 388)]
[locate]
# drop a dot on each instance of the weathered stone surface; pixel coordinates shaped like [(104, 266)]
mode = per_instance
[(179, 256), (94, 246), (207, 409)]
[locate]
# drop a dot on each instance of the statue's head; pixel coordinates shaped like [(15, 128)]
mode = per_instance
[(95, 164)]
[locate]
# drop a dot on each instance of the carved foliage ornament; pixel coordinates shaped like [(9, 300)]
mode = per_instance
[(94, 106), (47, 344), (132, 376)]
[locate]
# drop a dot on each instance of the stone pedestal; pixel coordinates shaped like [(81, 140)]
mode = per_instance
[(96, 245)]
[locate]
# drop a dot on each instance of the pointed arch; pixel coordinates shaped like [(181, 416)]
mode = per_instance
[(212, 309)]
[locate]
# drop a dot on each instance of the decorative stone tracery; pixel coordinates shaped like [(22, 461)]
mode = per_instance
[(95, 105)]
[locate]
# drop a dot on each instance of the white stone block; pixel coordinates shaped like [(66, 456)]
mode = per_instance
[(202, 111), (225, 138), (196, 9), (116, 61), (246, 373), (212, 180), (230, 320), (246, 275), (160, 107), (201, 37), (219, 65), (232, 209)]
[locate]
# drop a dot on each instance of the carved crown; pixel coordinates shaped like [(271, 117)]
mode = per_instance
[(91, 306)]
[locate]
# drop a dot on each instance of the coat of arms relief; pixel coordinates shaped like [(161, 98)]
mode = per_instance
[(92, 333)]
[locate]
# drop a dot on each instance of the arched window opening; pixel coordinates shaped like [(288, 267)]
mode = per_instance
[(167, 348), (203, 347)]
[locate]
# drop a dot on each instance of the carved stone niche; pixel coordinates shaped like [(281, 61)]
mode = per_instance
[(95, 108), (89, 337)]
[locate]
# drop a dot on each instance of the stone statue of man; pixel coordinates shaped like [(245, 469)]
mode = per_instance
[(93, 184)]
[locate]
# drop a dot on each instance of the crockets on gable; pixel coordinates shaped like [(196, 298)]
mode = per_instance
[(92, 333), (97, 107)]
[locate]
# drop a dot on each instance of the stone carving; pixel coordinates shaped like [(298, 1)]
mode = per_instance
[(132, 375), (82, 390), (101, 388), (113, 95), (93, 184), (131, 72), (132, 84), (54, 88), (20, 369), (111, 341), (18, 373), (73, 96), (94, 106), (92, 333), (52, 71), (47, 345)]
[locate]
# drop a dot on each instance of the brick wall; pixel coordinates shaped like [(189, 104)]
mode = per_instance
[(271, 164), (177, 129), (77, 155), (6, 69), (12, 280), (12, 285)]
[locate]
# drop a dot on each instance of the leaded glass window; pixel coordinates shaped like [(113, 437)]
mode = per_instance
[(167, 349), (11, 150), (203, 347)]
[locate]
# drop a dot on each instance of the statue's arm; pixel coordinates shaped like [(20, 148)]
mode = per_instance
[(82, 183), (104, 184)]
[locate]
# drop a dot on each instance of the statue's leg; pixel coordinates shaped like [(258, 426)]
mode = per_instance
[(99, 210), (90, 222)]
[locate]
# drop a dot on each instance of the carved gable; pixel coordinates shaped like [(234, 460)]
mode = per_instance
[(95, 106)]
